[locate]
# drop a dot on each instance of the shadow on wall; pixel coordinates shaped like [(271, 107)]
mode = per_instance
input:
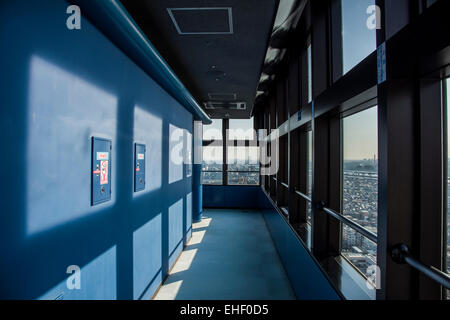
[(63, 88)]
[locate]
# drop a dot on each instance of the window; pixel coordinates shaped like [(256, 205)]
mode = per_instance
[(242, 158), (360, 186), (447, 262), (310, 88), (358, 40), (243, 166), (212, 154), (213, 131), (241, 153), (309, 176), (212, 165), (241, 129)]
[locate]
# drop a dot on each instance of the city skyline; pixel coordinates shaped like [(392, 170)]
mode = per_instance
[(360, 135)]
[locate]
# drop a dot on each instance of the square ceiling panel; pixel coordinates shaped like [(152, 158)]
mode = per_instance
[(207, 20)]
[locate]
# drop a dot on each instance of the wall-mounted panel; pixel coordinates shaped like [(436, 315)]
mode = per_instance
[(139, 167), (101, 170)]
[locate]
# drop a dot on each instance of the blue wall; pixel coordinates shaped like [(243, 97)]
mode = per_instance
[(58, 89), (244, 197), (307, 279)]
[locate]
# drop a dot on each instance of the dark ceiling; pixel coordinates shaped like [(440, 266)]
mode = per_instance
[(216, 47)]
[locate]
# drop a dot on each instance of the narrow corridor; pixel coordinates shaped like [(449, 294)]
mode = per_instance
[(230, 256)]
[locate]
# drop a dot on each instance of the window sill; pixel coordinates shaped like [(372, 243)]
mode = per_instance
[(349, 281)]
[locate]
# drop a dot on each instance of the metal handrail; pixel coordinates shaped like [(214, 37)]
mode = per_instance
[(355, 226), (284, 185), (401, 254), (304, 196)]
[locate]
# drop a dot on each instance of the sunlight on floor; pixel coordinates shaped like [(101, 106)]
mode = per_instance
[(205, 222), (184, 262), (170, 291), (229, 256)]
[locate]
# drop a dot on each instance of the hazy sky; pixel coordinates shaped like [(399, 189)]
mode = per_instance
[(360, 130), (358, 41), (361, 135)]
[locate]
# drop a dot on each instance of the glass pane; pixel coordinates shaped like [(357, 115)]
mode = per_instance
[(310, 93), (241, 129), (243, 159), (360, 251), (358, 40), (448, 180), (212, 158), (284, 10), (243, 178), (360, 178), (309, 176), (214, 178), (213, 131)]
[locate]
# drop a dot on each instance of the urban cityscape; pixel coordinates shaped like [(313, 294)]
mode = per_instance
[(239, 173), (360, 204)]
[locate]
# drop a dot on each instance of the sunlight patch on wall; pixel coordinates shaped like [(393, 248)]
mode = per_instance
[(65, 111), (188, 211), (97, 278), (148, 131), (175, 225), (176, 155), (147, 257)]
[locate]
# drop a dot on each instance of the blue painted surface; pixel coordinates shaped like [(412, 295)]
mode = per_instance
[(231, 256), (245, 197), (307, 280), (59, 88), (198, 193)]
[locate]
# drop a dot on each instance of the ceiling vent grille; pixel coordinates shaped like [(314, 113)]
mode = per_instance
[(207, 20)]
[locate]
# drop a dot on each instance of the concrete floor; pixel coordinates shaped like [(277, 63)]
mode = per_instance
[(230, 256)]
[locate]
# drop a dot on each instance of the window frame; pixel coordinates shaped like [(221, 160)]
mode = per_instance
[(348, 113), (225, 143)]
